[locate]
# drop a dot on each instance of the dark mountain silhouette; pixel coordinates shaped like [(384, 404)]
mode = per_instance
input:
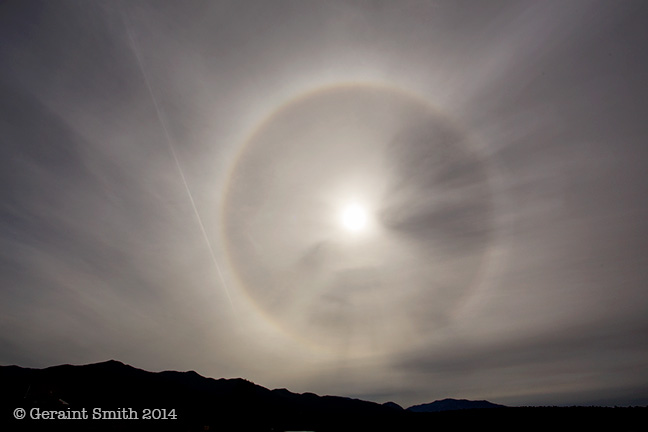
[(393, 405), (453, 404), (187, 401), (197, 401)]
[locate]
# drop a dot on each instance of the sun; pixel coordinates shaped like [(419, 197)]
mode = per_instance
[(354, 218)]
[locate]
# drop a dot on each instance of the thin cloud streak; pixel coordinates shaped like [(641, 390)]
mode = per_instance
[(169, 140)]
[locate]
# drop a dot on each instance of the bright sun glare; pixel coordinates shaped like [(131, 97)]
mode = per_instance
[(354, 217)]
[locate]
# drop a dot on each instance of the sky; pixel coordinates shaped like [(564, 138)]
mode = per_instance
[(400, 201)]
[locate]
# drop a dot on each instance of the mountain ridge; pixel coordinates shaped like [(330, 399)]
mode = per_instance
[(450, 404), (116, 365), (195, 399), (201, 403)]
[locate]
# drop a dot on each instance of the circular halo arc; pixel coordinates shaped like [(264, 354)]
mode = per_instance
[(250, 137)]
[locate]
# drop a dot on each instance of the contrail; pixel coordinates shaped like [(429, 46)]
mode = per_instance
[(169, 141)]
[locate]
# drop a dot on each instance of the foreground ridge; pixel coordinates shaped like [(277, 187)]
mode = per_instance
[(66, 397)]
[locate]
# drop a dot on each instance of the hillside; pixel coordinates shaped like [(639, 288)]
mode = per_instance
[(114, 396)]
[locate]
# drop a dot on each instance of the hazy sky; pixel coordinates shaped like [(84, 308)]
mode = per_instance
[(177, 179)]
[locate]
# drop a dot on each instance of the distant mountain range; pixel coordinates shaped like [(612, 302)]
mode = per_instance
[(453, 404), (114, 396)]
